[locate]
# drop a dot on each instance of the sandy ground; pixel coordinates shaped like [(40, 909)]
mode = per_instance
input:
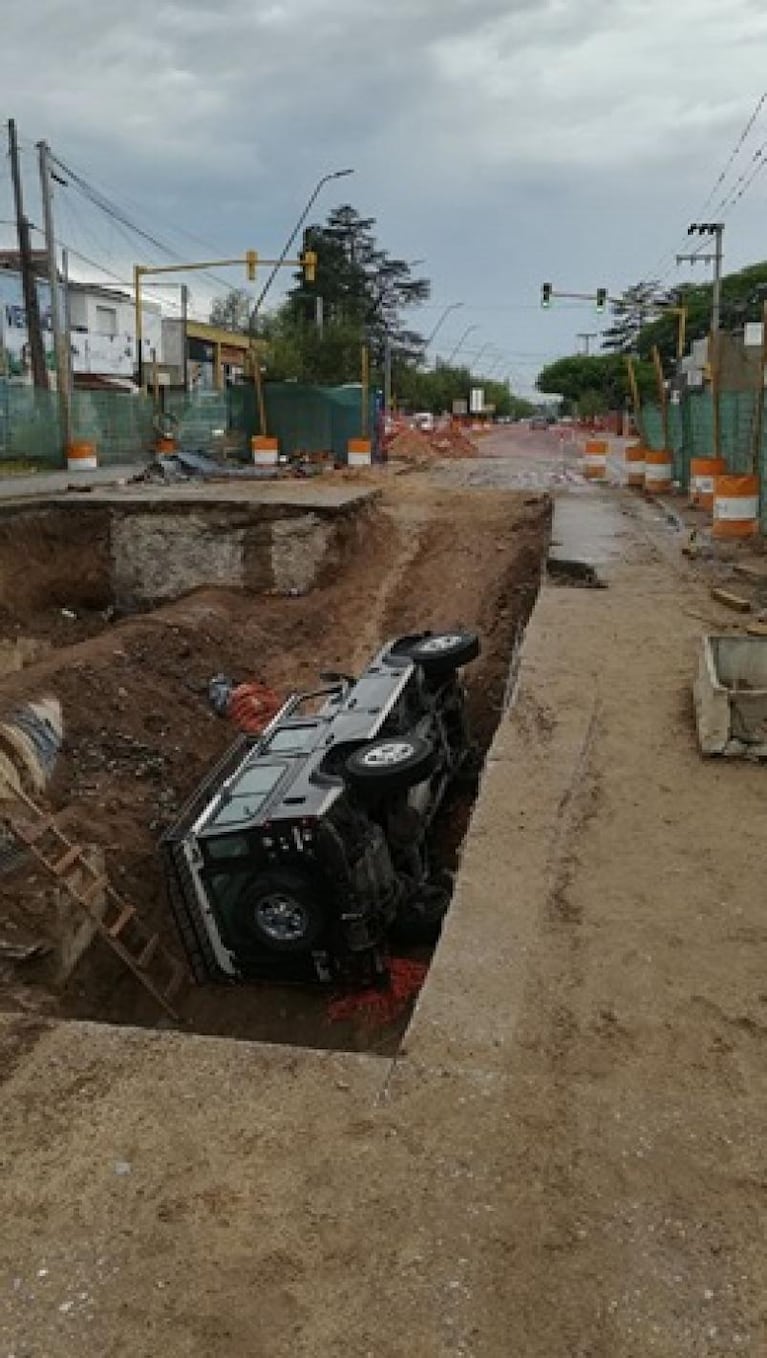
[(566, 1159)]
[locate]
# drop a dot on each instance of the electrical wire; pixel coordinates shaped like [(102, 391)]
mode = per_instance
[(123, 221), (735, 152)]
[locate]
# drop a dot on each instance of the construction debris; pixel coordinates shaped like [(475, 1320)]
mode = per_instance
[(730, 600)]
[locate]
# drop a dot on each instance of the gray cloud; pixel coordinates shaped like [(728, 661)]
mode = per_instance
[(506, 142)]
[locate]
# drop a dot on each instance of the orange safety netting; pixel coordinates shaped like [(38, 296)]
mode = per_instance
[(252, 706)]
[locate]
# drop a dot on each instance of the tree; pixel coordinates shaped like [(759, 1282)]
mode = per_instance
[(599, 380), (743, 296), (232, 312), (363, 288), (632, 310)]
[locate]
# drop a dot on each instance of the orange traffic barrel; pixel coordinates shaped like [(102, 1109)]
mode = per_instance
[(703, 474), (265, 450), (658, 471), (595, 460), (81, 457), (635, 460), (359, 452), (736, 506), (164, 446)]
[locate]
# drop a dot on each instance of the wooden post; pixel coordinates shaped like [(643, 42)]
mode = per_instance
[(758, 425), (260, 394), (681, 332), (662, 395), (714, 364), (365, 389), (635, 397), (28, 280)]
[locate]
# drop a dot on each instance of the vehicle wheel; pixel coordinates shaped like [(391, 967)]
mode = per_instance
[(281, 911), (443, 652), (391, 765)]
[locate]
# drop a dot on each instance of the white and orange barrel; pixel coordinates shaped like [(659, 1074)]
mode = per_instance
[(736, 506), (703, 474), (635, 460), (595, 460), (265, 450), (81, 457), (165, 446), (658, 470), (359, 452)]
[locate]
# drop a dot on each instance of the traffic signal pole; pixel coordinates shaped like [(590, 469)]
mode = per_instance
[(251, 260)]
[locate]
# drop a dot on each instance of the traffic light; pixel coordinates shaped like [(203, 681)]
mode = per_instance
[(310, 266), (251, 260), (601, 299), (546, 295)]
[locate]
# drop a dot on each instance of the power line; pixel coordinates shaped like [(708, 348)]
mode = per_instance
[(720, 180), (733, 154), (123, 221)]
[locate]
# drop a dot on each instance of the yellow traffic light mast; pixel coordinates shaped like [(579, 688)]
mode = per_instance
[(307, 261)]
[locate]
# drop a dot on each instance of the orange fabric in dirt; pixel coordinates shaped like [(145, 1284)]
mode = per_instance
[(252, 706)]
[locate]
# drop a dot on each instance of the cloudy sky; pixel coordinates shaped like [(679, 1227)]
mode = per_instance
[(502, 142)]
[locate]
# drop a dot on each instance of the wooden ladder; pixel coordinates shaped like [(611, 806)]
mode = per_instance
[(120, 926)]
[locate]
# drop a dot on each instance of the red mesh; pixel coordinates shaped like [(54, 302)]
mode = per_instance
[(252, 706), (381, 1005)]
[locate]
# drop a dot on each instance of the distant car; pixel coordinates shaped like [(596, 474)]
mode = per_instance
[(424, 421), (539, 422)]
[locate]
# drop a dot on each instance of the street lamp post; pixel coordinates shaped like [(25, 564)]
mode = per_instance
[(453, 307), (478, 355), (468, 331), (336, 174)]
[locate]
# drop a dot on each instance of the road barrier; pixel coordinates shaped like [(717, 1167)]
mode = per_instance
[(658, 471), (265, 450), (81, 457), (595, 460), (703, 474), (736, 506), (635, 465), (359, 452)]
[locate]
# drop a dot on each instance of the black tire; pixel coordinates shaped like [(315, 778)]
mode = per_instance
[(281, 911), (391, 764), (443, 652)]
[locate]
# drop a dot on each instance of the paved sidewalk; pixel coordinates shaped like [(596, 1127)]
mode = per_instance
[(46, 484)]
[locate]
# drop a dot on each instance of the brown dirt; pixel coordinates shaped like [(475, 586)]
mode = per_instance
[(415, 445), (139, 731)]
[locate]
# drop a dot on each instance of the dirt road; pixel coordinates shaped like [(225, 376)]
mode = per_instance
[(566, 1158)]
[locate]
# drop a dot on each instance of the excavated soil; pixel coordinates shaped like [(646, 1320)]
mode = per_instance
[(139, 730)]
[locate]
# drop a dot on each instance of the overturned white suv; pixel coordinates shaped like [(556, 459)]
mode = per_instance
[(309, 846)]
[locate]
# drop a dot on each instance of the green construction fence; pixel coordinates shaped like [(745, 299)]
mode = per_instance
[(121, 424), (691, 434)]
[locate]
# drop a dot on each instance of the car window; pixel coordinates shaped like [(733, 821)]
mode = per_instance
[(291, 738), (247, 796)]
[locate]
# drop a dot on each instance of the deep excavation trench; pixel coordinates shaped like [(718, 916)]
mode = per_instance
[(139, 731)]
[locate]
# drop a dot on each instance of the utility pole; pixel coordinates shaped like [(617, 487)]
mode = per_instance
[(31, 304), (587, 336), (62, 357), (387, 376), (715, 229)]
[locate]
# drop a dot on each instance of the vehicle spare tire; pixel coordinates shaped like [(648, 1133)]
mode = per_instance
[(281, 911), (391, 764), (443, 652)]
